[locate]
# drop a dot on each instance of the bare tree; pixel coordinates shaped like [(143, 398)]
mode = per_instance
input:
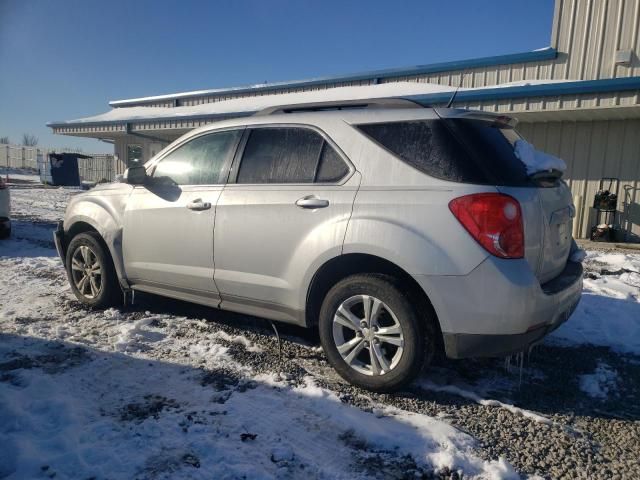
[(4, 141), (29, 140)]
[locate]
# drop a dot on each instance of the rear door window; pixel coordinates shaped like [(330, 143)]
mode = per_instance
[(458, 150), (289, 155)]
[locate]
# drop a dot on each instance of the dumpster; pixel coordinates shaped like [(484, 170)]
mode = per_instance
[(63, 168)]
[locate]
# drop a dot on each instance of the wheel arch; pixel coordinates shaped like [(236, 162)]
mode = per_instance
[(83, 225), (78, 228), (342, 266)]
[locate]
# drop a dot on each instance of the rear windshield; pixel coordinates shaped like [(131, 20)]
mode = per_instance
[(459, 150)]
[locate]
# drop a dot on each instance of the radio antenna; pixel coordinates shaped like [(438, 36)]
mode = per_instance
[(453, 97)]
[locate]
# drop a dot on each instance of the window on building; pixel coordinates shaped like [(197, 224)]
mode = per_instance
[(134, 155), (289, 155), (201, 161)]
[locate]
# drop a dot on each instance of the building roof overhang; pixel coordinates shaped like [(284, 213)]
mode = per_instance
[(118, 121), (376, 76)]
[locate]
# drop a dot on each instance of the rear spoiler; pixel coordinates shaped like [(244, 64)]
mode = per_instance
[(503, 121)]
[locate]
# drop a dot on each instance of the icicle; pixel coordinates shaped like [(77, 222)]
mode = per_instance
[(507, 363), (273, 325), (521, 361)]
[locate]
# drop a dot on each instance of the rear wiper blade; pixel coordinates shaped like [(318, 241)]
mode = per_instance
[(546, 177)]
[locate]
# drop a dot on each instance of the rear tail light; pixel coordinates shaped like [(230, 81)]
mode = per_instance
[(494, 220)]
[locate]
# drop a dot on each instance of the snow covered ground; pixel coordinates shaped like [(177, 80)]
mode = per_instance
[(609, 312), (164, 389)]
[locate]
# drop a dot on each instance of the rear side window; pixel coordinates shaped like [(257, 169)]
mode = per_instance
[(458, 150), (289, 155)]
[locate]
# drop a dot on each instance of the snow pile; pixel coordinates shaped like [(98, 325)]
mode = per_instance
[(392, 429), (617, 261), (601, 383), (609, 312), (535, 160), (132, 335)]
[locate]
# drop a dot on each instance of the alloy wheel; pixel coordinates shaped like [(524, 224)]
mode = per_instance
[(368, 335), (86, 272)]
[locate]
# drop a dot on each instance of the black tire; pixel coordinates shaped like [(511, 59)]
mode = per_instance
[(418, 345), (5, 232), (109, 294)]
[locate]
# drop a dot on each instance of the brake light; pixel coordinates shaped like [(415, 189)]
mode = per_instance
[(494, 220)]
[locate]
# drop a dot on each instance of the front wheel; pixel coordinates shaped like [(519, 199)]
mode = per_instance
[(91, 273), (371, 333)]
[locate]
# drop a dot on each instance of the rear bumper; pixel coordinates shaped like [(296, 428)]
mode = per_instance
[(58, 239), (500, 308), (477, 345)]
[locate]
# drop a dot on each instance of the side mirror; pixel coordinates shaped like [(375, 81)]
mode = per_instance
[(135, 175)]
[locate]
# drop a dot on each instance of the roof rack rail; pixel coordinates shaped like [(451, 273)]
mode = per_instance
[(340, 105)]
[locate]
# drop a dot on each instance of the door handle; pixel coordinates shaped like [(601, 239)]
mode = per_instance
[(312, 201), (198, 205)]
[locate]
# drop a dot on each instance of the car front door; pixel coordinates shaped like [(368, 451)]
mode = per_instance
[(168, 223), (286, 207)]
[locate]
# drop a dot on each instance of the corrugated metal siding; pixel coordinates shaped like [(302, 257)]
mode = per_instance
[(594, 150), (199, 100), (589, 33)]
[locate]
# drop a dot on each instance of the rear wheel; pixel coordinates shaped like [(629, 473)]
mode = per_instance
[(91, 273), (371, 333)]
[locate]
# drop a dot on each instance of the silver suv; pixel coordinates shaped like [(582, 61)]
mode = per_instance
[(399, 232)]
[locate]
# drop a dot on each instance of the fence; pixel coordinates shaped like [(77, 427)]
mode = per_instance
[(14, 156), (97, 168)]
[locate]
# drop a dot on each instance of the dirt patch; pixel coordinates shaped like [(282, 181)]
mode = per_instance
[(151, 407)]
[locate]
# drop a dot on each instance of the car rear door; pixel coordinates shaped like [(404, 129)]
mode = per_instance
[(168, 223), (286, 207)]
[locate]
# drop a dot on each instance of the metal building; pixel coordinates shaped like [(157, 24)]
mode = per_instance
[(578, 99)]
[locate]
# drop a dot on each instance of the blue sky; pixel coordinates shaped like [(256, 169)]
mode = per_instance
[(66, 59)]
